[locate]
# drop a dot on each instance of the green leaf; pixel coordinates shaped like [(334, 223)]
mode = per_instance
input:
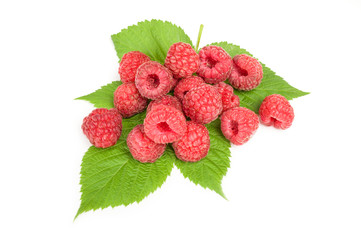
[(103, 97), (150, 37), (271, 83), (111, 177), (209, 171)]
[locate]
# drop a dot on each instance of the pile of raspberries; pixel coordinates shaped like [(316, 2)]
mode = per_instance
[(200, 97)]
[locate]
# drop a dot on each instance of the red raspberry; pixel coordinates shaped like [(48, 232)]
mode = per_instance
[(182, 60), (277, 111), (103, 127), (128, 100), (229, 99), (174, 83), (185, 85), (239, 124), (153, 80), (165, 100), (194, 144), (165, 124), (143, 148), (203, 104), (216, 64), (129, 65), (246, 73)]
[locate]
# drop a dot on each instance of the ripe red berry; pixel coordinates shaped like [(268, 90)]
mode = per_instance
[(153, 80), (143, 148), (182, 60), (246, 73), (194, 144), (203, 104), (229, 99), (129, 65), (185, 85), (128, 100), (165, 100), (174, 83), (239, 124), (277, 111), (216, 64), (165, 124), (103, 127)]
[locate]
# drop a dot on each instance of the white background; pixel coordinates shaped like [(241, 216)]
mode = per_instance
[(302, 183)]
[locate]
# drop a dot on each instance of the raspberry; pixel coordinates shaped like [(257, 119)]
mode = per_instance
[(194, 144), (202, 104), (128, 100), (164, 124), (174, 83), (165, 100), (129, 65), (103, 127), (216, 64), (153, 80), (143, 148), (185, 85), (246, 73), (277, 111), (239, 124), (229, 99), (182, 60)]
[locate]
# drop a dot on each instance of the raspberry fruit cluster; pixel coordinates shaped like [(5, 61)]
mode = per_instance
[(180, 119)]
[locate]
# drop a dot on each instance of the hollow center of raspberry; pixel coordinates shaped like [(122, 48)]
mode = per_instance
[(234, 127), (211, 62), (153, 80), (273, 120), (241, 71), (163, 127)]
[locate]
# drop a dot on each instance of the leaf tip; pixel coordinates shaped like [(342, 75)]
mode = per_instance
[(78, 98), (221, 193), (76, 215), (306, 93)]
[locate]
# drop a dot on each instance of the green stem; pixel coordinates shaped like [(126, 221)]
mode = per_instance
[(199, 36)]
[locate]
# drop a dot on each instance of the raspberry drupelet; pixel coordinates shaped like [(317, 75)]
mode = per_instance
[(153, 80), (276, 111), (164, 124), (203, 104), (128, 100), (194, 144), (185, 85), (165, 100), (215, 64), (246, 74), (239, 124), (129, 64), (103, 127), (143, 148), (229, 99), (182, 60)]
